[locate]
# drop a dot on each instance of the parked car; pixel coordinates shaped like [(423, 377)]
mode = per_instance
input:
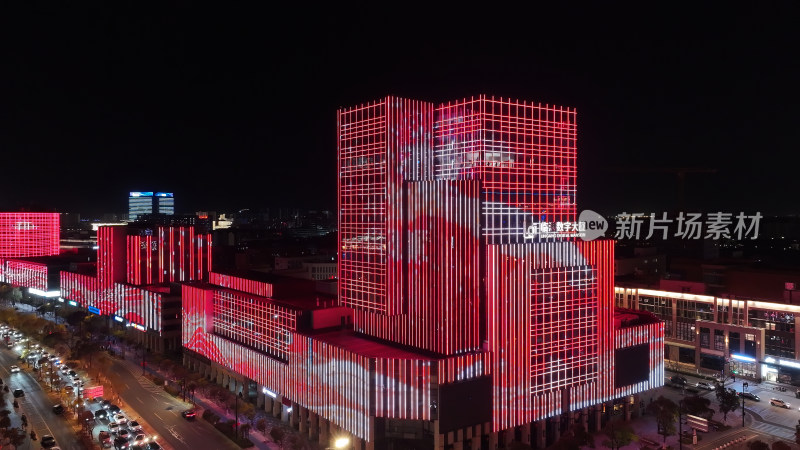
[(105, 403), (19, 393), (48, 441), (14, 369), (153, 446), (100, 414), (120, 443), (72, 373), (134, 426), (113, 427), (113, 409), (123, 432), (779, 403), (58, 409), (105, 439), (705, 385), (140, 439), (121, 419)]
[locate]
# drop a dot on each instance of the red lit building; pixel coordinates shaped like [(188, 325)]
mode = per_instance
[(136, 281), (26, 234), (454, 323)]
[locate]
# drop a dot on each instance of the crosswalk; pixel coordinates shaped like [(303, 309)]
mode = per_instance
[(143, 381), (772, 430)]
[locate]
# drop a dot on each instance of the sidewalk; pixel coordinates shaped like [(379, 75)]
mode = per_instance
[(261, 441)]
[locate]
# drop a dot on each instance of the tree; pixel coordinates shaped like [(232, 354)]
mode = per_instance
[(728, 401), (665, 411), (757, 445), (277, 435), (261, 425), (780, 445), (698, 406), (619, 434)]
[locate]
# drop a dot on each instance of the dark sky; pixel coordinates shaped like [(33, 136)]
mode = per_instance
[(235, 108)]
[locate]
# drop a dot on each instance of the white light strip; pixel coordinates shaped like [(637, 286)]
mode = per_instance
[(42, 293)]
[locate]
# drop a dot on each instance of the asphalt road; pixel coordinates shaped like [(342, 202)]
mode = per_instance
[(160, 413), (36, 405), (766, 419)]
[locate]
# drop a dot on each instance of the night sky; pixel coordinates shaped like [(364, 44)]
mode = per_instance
[(235, 108)]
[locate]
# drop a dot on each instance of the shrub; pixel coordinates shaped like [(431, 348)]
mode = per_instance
[(210, 417), (158, 381), (172, 390)]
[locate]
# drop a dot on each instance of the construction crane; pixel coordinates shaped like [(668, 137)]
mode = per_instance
[(680, 173)]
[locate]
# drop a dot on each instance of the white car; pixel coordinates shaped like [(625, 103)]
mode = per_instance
[(113, 427), (120, 419), (14, 369), (705, 385), (778, 402)]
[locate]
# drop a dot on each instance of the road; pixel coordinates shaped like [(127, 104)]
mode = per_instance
[(36, 405), (161, 413), (763, 418)]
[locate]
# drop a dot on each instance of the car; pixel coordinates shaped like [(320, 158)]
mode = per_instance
[(189, 414), (153, 446), (14, 369), (48, 441), (105, 439), (139, 439), (679, 380), (120, 443), (105, 403), (750, 396), (113, 409), (58, 409), (120, 419), (134, 426), (100, 414), (113, 427), (779, 403), (19, 393), (72, 373), (124, 433), (705, 385)]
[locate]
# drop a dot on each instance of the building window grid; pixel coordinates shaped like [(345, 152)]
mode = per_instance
[(29, 234), (719, 340), (525, 154), (363, 210), (255, 322), (561, 313)]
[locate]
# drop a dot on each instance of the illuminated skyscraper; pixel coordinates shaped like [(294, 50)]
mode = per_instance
[(476, 307), (140, 203)]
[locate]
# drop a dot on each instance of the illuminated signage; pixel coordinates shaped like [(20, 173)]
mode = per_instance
[(119, 319), (770, 360), (743, 358), (61, 299), (141, 194), (93, 391), (793, 364), (73, 303), (93, 310), (138, 327), (42, 293), (268, 392)]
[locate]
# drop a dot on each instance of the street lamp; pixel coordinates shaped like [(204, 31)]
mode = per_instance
[(341, 442), (680, 424), (237, 397), (744, 388)]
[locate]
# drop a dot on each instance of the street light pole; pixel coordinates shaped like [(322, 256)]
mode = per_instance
[(744, 387), (680, 425)]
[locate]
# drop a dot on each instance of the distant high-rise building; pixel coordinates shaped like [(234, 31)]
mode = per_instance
[(165, 203), (140, 203)]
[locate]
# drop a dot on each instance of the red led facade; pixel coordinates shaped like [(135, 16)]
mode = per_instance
[(446, 286), (132, 264), (25, 234), (26, 274), (167, 255)]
